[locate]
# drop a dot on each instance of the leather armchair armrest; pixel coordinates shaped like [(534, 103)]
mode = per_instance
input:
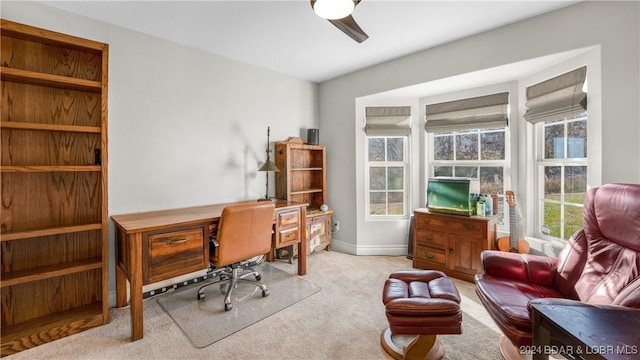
[(535, 269)]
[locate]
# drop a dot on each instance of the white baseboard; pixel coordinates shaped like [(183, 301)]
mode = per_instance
[(388, 250)]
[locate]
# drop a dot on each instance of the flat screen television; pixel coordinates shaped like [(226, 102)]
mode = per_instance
[(452, 195)]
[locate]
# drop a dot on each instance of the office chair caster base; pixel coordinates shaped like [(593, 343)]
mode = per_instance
[(265, 293), (258, 277), (201, 296), (228, 307)]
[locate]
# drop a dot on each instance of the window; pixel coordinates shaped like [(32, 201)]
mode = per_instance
[(475, 153), (387, 175), (562, 175), (387, 133), (468, 138), (557, 108)]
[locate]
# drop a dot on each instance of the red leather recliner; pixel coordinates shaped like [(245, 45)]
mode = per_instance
[(599, 265)]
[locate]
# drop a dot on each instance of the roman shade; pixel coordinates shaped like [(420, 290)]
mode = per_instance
[(482, 112), (388, 120), (557, 98)]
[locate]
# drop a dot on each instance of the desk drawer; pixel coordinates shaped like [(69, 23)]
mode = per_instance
[(288, 218), (287, 237), (175, 253)]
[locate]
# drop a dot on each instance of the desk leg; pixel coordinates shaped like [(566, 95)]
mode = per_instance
[(121, 273), (541, 338), (121, 287), (137, 326), (302, 245)]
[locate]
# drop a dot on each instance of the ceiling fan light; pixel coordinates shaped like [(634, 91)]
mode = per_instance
[(333, 9)]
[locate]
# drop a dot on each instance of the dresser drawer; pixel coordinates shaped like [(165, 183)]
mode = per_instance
[(174, 253), (437, 256), (431, 238), (466, 226)]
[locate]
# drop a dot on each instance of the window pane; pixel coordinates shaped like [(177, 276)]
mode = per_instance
[(395, 149), (377, 178), (442, 171), (573, 220), (552, 177), (376, 149), (577, 139), (443, 147), (396, 178), (554, 141), (575, 184), (552, 218), (467, 146), (396, 203), (491, 180), (467, 171), (377, 203), (492, 145)]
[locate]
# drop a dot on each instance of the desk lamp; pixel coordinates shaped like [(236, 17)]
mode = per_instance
[(268, 167)]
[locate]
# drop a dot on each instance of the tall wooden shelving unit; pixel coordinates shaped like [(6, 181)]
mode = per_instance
[(303, 178), (54, 233)]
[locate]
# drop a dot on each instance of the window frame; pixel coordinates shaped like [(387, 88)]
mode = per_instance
[(505, 163), (539, 163), (406, 164)]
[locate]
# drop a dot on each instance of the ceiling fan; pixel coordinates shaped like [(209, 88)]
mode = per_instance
[(338, 12)]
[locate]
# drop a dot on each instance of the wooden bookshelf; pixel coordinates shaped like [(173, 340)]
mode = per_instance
[(54, 233)]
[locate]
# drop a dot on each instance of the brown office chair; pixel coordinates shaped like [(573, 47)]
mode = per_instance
[(243, 238)]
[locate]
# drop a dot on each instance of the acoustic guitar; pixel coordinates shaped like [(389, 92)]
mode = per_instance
[(512, 243)]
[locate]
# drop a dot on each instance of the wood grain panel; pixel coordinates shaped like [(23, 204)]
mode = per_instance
[(55, 148), (313, 199), (49, 105), (46, 329), (55, 249), (303, 158), (41, 200), (25, 302), (49, 59), (170, 254)]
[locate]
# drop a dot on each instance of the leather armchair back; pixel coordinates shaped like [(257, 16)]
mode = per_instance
[(244, 232), (601, 263)]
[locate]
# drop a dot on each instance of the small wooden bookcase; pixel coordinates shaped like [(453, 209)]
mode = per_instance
[(303, 178)]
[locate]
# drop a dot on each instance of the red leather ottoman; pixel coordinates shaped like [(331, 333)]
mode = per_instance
[(423, 303)]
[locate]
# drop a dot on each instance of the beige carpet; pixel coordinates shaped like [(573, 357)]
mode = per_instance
[(342, 321)]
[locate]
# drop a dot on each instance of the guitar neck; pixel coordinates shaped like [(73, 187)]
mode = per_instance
[(513, 236)]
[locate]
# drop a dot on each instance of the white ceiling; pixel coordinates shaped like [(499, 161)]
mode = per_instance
[(287, 37)]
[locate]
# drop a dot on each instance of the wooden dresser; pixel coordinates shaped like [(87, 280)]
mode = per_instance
[(451, 243)]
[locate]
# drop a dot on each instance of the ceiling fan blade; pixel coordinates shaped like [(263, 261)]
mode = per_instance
[(349, 26)]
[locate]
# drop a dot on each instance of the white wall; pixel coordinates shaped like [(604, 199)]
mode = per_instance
[(614, 26), (185, 127)]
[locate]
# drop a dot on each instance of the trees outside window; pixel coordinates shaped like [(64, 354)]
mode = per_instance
[(562, 175), (478, 154), (387, 175)]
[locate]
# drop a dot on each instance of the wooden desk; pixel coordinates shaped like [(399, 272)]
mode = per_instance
[(584, 332), (159, 245)]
